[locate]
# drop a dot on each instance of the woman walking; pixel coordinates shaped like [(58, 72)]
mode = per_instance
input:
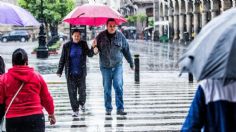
[(73, 58), (25, 113)]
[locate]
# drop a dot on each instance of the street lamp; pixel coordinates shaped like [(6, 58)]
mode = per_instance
[(42, 50)]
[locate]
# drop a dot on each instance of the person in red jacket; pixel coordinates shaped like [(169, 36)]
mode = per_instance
[(2, 71), (25, 114)]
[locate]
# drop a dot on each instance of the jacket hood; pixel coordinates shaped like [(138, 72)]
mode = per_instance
[(22, 73)]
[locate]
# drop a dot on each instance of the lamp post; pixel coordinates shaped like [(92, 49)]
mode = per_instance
[(42, 50)]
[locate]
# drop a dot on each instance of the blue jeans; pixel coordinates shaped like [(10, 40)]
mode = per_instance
[(113, 76)]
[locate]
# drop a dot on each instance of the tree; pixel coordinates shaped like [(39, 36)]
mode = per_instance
[(53, 11), (142, 18), (132, 20), (151, 22)]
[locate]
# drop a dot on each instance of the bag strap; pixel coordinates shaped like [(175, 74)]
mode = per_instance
[(21, 86)]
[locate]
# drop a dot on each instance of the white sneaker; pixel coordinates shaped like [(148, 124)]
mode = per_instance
[(75, 114)]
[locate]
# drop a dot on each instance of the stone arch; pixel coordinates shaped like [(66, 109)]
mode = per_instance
[(205, 12), (171, 19), (161, 18), (176, 19), (176, 7), (189, 5), (182, 21), (182, 6), (171, 8), (165, 9), (197, 16), (161, 9), (226, 4), (215, 8), (233, 3), (189, 19)]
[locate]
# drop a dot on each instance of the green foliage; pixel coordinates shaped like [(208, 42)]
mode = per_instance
[(132, 19), (53, 10), (55, 46), (135, 18), (164, 39), (141, 17), (151, 22)]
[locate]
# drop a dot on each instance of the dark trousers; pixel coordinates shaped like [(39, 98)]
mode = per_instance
[(76, 85), (32, 123)]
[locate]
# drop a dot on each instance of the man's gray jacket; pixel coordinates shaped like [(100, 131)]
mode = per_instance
[(112, 51)]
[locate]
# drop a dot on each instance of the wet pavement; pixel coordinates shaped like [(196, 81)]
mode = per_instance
[(158, 103)]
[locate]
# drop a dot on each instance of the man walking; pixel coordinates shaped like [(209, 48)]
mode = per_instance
[(112, 46)]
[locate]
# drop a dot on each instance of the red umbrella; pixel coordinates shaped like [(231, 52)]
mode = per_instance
[(93, 15)]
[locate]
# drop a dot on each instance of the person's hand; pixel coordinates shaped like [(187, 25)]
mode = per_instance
[(131, 66), (95, 50), (59, 75), (52, 119), (94, 43)]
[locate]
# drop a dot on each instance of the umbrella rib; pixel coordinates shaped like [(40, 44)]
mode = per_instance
[(80, 15)]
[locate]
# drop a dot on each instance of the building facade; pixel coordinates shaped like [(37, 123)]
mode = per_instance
[(180, 17), (137, 7), (10, 1)]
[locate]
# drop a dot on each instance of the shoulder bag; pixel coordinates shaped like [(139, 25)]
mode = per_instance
[(3, 122)]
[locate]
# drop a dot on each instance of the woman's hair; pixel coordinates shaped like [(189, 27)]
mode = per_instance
[(75, 31), (2, 65), (19, 57)]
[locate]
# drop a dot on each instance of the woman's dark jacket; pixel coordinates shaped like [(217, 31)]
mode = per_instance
[(65, 58)]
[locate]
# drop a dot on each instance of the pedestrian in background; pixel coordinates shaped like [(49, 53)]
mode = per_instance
[(73, 58), (2, 71), (25, 113), (2, 66), (112, 46)]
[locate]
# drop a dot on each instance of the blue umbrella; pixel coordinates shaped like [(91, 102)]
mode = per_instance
[(212, 54), (14, 15)]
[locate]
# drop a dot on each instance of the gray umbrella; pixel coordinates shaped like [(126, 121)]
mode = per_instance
[(212, 54)]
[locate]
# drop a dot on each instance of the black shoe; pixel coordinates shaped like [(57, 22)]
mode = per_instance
[(121, 112), (82, 107), (75, 114), (108, 112)]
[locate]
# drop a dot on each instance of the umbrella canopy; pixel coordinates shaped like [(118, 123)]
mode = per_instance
[(211, 55), (14, 15), (93, 15)]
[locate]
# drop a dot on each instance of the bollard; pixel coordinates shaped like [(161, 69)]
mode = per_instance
[(190, 78), (136, 68)]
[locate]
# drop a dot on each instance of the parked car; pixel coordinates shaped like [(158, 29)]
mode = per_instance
[(16, 35), (62, 36), (1, 34)]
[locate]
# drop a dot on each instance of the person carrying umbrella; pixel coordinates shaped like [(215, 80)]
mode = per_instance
[(73, 58), (211, 58), (112, 46)]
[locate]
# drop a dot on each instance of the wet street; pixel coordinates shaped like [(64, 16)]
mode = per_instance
[(159, 102)]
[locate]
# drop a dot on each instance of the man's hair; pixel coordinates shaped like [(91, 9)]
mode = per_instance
[(75, 30), (111, 20), (19, 57)]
